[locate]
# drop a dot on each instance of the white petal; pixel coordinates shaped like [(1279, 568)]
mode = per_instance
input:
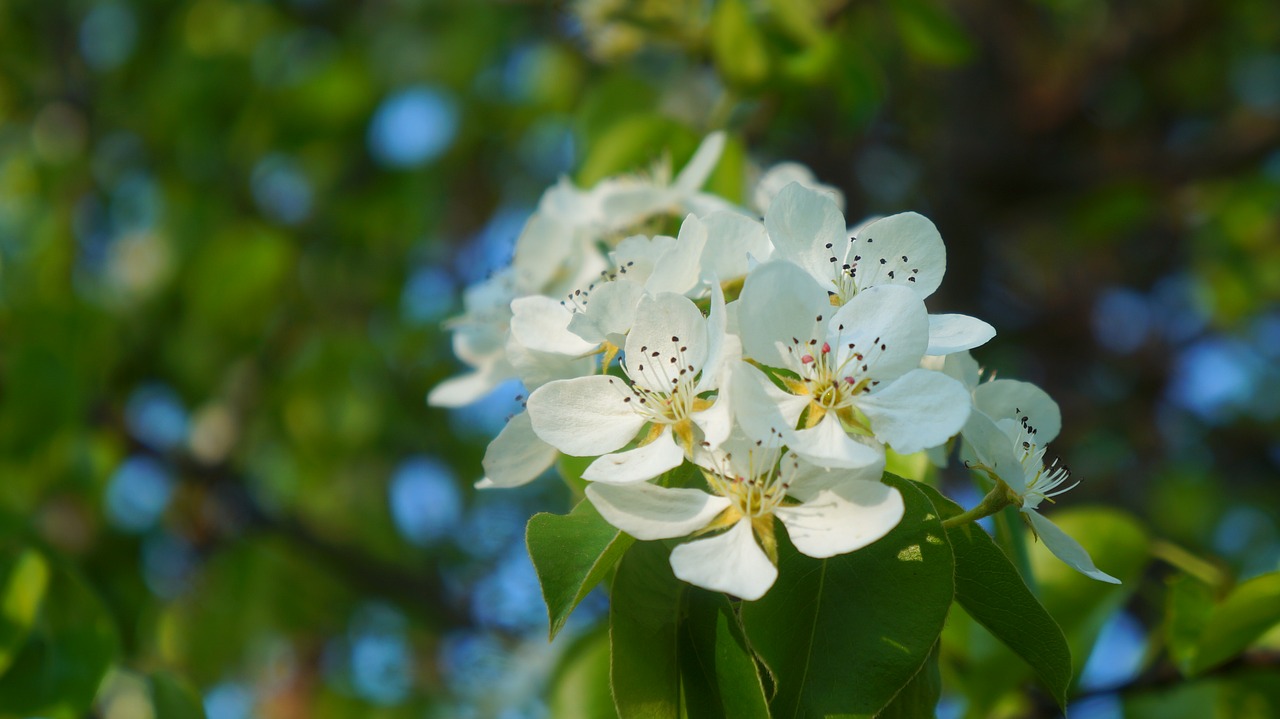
[(839, 521), (516, 456), (586, 416), (678, 269), (801, 223), (890, 239), (730, 562), (1066, 548), (956, 333), (638, 254), (889, 326), (719, 347), (809, 479), (541, 323), (543, 248), (637, 465), (761, 408), (920, 409), (995, 449), (627, 206), (828, 445), (538, 368), (716, 421), (669, 336), (785, 173), (731, 239), (1011, 400), (960, 366), (695, 173), (647, 511), (780, 302), (464, 389), (608, 313)]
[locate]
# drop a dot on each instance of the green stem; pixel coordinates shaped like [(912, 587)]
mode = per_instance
[(1187, 562), (997, 499)]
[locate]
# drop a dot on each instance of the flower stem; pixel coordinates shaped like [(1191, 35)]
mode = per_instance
[(997, 499)]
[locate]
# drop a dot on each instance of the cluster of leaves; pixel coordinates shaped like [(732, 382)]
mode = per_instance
[(874, 632)]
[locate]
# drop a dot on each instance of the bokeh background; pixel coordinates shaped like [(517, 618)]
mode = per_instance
[(230, 231)]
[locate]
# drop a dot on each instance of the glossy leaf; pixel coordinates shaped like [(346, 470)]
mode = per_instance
[(843, 635), (571, 554), (919, 698), (57, 672), (718, 669), (992, 591), (1247, 611), (644, 634), (23, 581)]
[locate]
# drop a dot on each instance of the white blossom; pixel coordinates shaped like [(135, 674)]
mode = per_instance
[(905, 249), (1011, 448), (749, 484), (673, 358), (855, 366)]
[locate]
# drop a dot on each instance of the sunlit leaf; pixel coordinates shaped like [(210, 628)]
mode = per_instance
[(23, 581), (1247, 611), (571, 554), (580, 686)]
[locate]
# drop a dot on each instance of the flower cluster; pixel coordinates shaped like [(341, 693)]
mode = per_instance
[(742, 370)]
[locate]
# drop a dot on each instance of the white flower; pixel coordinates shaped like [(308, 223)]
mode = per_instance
[(1011, 448), (807, 228), (673, 359), (826, 513), (479, 340), (628, 201), (785, 173), (856, 365)]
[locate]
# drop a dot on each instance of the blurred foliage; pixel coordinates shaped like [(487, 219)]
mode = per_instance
[(229, 230)]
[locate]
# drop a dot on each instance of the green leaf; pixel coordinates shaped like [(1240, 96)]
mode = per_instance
[(580, 687), (737, 45), (634, 143), (23, 581), (919, 698), (930, 33), (1250, 609), (644, 635), (57, 672), (843, 635), (717, 666), (1188, 604), (571, 554), (992, 591), (174, 698)]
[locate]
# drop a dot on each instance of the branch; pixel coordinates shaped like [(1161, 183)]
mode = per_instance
[(419, 592), (1165, 675)]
